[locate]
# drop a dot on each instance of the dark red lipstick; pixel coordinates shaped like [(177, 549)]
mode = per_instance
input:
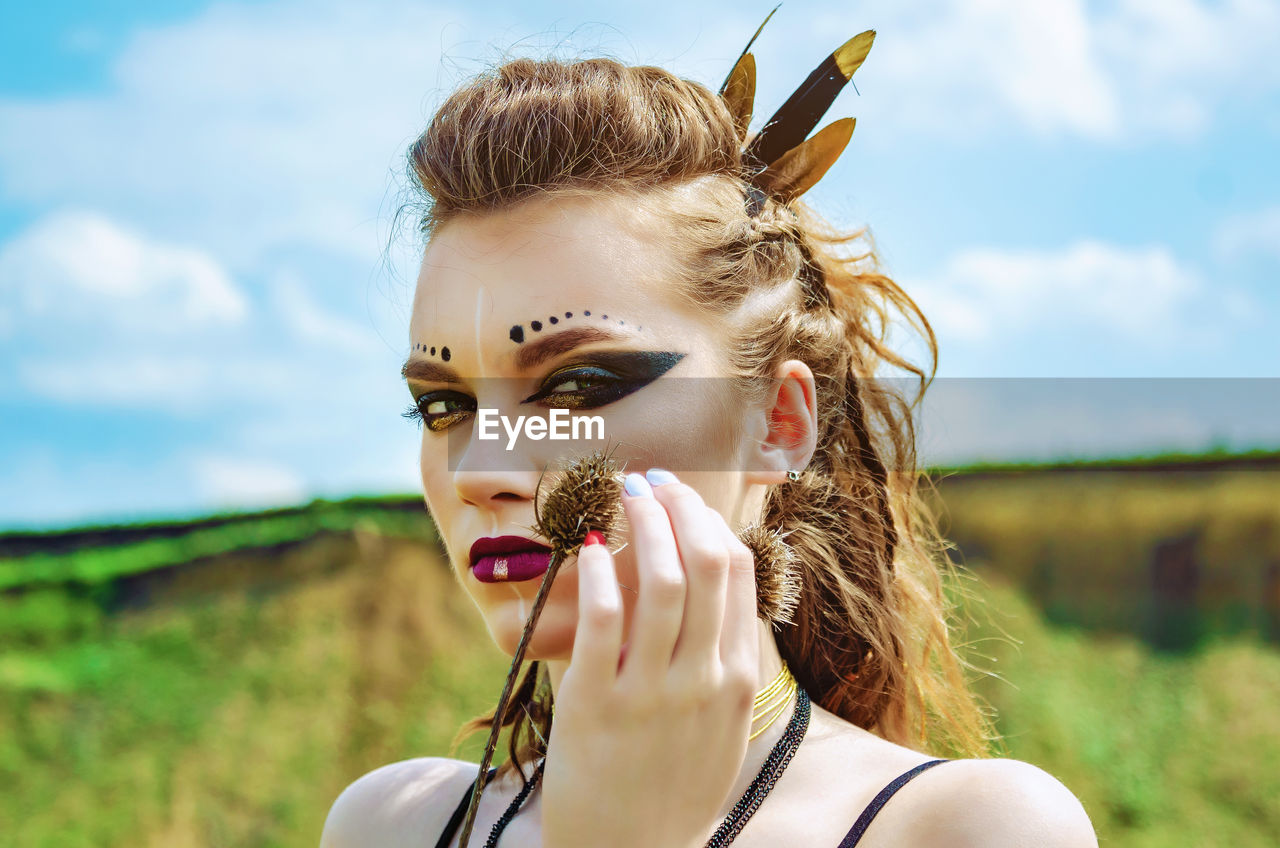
[(508, 559)]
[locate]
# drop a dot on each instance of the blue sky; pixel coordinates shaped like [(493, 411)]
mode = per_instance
[(198, 309)]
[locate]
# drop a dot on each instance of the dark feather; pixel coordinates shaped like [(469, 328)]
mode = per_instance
[(793, 122)]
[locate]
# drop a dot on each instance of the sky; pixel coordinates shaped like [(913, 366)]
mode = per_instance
[(204, 299)]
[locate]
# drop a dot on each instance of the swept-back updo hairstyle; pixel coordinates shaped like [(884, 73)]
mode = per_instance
[(870, 640)]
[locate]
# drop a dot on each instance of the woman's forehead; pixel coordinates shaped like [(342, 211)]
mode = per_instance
[(528, 270)]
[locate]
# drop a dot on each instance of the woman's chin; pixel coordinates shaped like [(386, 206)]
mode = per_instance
[(552, 637)]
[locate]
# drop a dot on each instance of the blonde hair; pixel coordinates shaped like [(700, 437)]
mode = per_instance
[(871, 640)]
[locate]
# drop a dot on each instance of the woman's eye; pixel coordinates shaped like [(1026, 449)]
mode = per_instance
[(575, 387), (583, 388), (440, 410), (591, 386)]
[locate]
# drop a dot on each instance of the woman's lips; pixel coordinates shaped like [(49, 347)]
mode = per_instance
[(507, 559), (511, 567)]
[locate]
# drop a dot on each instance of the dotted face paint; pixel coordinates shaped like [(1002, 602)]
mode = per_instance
[(519, 333), (445, 355)]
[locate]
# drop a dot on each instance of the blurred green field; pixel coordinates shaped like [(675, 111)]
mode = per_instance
[(224, 694)]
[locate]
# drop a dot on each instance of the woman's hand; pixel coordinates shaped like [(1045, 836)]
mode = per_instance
[(648, 740)]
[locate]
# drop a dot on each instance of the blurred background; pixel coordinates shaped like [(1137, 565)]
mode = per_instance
[(220, 597)]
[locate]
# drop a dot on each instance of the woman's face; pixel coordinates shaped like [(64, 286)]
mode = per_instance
[(558, 303)]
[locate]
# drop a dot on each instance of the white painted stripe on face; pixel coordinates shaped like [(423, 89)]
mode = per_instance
[(479, 348)]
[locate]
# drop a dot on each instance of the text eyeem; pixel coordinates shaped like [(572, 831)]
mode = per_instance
[(560, 425)]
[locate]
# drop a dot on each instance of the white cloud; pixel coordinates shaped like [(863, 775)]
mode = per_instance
[(98, 314), (1108, 72), (310, 322), (1253, 233), (1175, 60), (246, 127), (158, 378), (982, 294), (965, 66), (77, 267), (244, 481)]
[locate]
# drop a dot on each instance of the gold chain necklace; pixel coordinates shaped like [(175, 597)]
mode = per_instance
[(773, 700), (770, 702)]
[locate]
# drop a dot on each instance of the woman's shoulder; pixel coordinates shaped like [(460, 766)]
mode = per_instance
[(402, 803), (958, 803), (992, 802)]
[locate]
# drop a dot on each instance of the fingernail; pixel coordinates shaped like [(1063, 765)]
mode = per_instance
[(595, 537), (637, 486), (661, 476)]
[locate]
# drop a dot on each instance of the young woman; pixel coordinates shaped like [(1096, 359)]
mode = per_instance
[(603, 239)]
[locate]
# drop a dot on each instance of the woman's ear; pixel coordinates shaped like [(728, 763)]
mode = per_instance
[(790, 426)]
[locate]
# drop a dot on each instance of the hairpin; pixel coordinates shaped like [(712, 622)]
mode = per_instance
[(786, 163)]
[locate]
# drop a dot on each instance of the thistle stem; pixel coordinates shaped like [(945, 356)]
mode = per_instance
[(539, 601)]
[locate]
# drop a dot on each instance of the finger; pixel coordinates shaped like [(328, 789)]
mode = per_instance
[(660, 605), (706, 567), (739, 635), (598, 638)]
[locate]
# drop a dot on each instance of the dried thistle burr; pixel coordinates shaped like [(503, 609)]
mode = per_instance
[(777, 572), (586, 496)]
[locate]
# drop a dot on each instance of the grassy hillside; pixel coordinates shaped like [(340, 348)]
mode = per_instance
[(1172, 557), (224, 698), (231, 711), (1163, 749)]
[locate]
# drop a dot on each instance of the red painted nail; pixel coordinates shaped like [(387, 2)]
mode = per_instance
[(595, 537)]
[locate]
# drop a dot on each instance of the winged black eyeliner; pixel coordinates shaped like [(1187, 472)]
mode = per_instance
[(636, 368)]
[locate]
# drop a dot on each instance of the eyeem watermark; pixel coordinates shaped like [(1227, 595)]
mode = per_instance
[(560, 425)]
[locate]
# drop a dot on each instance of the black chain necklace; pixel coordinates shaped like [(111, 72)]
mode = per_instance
[(514, 807), (783, 750)]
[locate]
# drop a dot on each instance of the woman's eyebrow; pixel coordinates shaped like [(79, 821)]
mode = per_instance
[(534, 354), (428, 371), (528, 356)]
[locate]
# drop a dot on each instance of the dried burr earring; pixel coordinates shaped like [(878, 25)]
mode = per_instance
[(777, 573), (586, 496)]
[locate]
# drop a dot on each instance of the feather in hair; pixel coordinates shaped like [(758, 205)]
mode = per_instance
[(799, 168), (794, 120), (740, 94)]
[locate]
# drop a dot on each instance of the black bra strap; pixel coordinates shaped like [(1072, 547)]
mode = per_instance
[(864, 820), (461, 812), (849, 841)]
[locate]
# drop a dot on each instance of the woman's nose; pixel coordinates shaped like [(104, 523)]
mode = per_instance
[(486, 476), (494, 487), (488, 472)]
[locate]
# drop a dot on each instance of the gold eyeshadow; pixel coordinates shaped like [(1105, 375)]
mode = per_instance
[(611, 375)]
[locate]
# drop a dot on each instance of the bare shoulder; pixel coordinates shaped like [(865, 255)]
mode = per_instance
[(404, 803), (994, 803)]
